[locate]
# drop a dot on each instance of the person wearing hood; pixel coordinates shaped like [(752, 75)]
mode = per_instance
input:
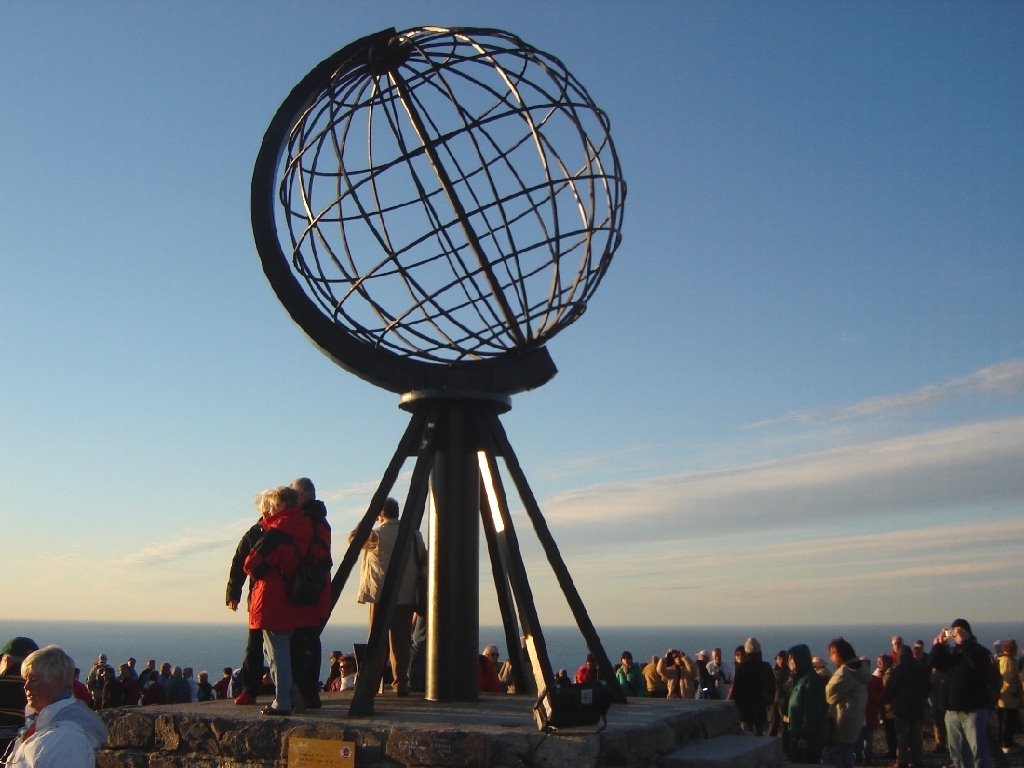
[(286, 533), (907, 690), (847, 693), (60, 731), (808, 712)]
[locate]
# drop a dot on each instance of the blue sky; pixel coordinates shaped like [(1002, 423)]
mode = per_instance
[(797, 397)]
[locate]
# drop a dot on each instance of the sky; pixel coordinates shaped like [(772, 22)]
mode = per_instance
[(796, 398)]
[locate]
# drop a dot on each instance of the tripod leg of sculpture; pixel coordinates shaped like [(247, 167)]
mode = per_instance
[(377, 645), (417, 431), (510, 571), (493, 529), (579, 610)]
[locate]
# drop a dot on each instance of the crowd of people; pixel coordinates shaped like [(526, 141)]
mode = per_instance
[(828, 711)]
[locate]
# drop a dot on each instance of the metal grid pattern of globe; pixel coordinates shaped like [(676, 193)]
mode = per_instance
[(450, 196)]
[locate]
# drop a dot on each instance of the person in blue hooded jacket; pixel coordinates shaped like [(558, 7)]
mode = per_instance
[(808, 713)]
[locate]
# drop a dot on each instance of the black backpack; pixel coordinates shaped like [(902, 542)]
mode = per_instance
[(306, 584)]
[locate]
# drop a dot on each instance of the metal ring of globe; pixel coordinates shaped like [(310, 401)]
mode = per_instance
[(450, 200)]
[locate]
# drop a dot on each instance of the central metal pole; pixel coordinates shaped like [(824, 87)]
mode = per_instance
[(453, 616)]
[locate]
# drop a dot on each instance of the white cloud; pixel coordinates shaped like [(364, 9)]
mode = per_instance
[(1005, 379), (969, 466), (765, 577)]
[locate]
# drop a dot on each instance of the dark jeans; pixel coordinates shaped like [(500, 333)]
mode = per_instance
[(306, 659), (252, 664), (890, 737), (865, 750), (909, 743), (1009, 725)]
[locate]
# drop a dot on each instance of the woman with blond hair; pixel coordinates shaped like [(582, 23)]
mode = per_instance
[(287, 533)]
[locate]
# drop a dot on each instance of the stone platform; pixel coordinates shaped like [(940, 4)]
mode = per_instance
[(498, 731)]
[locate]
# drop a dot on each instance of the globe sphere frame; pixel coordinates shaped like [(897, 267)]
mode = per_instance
[(473, 318)]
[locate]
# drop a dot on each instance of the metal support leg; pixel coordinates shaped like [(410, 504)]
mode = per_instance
[(453, 617)]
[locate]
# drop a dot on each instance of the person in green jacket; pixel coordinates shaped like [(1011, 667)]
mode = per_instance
[(807, 711), (630, 678)]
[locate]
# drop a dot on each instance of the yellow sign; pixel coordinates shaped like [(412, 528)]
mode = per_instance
[(321, 753)]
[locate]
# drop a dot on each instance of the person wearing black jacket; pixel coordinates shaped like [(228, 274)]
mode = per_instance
[(306, 648), (252, 662), (970, 675), (907, 690), (753, 688)]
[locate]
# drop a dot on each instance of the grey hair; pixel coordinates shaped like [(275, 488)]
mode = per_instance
[(51, 664)]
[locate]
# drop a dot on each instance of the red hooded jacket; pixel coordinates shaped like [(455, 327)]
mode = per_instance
[(286, 536)]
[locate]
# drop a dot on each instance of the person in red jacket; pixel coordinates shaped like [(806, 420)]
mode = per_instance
[(287, 533)]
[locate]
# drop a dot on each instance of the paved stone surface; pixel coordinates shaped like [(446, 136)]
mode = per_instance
[(495, 732), (729, 751)]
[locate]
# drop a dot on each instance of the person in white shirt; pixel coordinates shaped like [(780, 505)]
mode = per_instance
[(60, 730)]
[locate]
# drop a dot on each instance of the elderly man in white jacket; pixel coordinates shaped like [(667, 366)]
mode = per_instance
[(60, 730)]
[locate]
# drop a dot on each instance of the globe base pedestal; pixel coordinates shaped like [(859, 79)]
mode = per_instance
[(457, 440)]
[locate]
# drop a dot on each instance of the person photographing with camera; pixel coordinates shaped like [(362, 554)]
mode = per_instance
[(971, 680)]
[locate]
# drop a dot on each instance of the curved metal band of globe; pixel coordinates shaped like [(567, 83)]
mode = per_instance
[(517, 370), (447, 436)]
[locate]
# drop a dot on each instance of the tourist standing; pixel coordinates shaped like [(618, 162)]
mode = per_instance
[(907, 690), (306, 648), (376, 559), (808, 712), (252, 659), (286, 533), (753, 688), (847, 693), (783, 686), (971, 677)]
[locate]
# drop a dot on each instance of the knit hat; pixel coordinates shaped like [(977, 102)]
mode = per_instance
[(751, 645), (963, 624), (20, 647)]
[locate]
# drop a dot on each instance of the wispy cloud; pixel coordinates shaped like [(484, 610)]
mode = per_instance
[(973, 466), (765, 576), (1006, 379)]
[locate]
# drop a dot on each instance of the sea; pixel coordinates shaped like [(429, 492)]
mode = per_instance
[(212, 647)]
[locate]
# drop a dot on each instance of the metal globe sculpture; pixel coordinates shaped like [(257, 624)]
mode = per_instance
[(433, 205)]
